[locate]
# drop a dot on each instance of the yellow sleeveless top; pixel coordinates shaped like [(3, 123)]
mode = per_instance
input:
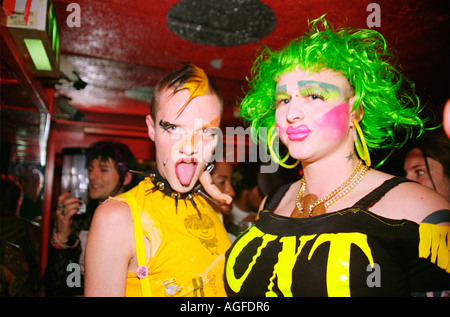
[(186, 251)]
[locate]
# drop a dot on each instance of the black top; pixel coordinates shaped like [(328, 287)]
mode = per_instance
[(351, 252)]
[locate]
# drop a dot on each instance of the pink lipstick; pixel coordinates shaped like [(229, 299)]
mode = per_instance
[(298, 134)]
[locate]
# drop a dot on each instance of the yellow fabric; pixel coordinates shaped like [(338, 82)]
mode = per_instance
[(186, 252), (434, 241), (139, 241)]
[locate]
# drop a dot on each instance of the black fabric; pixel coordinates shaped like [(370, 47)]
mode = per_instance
[(56, 273), (328, 255), (379, 192)]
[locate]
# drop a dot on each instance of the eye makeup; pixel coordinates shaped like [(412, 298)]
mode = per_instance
[(173, 129), (165, 125), (324, 91), (308, 88), (280, 95), (210, 129)]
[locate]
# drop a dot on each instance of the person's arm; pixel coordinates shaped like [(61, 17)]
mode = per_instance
[(64, 246), (432, 212), (109, 248)]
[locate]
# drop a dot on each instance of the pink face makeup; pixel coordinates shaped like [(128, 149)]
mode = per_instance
[(334, 123)]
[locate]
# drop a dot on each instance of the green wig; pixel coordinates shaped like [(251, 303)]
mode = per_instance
[(390, 106)]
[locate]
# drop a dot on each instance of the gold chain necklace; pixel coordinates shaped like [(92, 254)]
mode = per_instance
[(319, 206)]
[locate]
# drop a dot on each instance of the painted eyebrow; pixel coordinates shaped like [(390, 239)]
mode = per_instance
[(281, 93), (211, 125), (281, 89), (165, 124), (325, 86)]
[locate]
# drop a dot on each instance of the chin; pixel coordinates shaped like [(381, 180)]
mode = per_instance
[(182, 188), (96, 197)]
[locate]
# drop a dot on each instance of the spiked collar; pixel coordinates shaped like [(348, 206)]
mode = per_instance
[(161, 184)]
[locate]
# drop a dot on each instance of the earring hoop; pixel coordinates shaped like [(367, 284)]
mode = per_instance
[(360, 144), (271, 138)]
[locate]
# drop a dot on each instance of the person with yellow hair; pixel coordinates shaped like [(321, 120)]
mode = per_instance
[(163, 238)]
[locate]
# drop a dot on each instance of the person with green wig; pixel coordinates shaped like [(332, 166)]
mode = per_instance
[(344, 229)]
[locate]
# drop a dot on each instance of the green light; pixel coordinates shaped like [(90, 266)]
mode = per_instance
[(38, 54)]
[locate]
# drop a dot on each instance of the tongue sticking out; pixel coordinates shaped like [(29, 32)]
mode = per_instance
[(185, 172)]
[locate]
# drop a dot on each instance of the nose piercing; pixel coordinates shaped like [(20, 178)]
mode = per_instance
[(164, 163)]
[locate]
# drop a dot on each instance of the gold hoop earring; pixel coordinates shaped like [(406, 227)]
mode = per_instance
[(360, 144), (271, 138)]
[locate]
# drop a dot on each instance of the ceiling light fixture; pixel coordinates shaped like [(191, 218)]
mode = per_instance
[(221, 23)]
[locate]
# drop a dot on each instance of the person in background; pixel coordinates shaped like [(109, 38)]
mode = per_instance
[(15, 277), (247, 199), (21, 243), (109, 164), (172, 242), (428, 163), (31, 182), (221, 177)]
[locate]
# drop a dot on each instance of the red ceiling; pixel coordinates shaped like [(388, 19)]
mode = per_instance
[(122, 45)]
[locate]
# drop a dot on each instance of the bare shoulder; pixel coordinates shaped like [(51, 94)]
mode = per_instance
[(112, 225), (109, 250), (113, 210), (113, 217), (411, 201), (420, 200)]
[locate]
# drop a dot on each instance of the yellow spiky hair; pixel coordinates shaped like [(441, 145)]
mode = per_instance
[(194, 79)]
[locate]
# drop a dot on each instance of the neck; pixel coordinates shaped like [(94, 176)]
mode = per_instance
[(166, 189), (162, 185), (324, 176)]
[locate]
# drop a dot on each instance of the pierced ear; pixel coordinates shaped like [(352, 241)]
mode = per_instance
[(150, 127)]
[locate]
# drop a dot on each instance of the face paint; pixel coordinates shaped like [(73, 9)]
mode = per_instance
[(182, 166), (214, 124), (185, 168), (334, 123), (280, 95), (322, 90)]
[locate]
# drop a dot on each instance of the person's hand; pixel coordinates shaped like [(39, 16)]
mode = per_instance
[(212, 189), (67, 208)]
